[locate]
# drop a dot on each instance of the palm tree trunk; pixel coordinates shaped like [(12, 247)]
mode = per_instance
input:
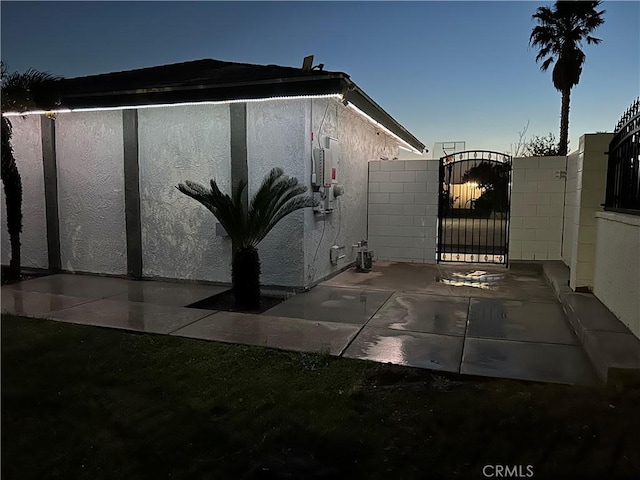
[(245, 277), (13, 192), (563, 145)]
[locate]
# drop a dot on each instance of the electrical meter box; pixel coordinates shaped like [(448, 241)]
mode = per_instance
[(325, 174)]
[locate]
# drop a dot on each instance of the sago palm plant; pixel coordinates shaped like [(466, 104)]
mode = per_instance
[(559, 35), (277, 197)]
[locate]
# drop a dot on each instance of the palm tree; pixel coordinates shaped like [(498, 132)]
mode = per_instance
[(20, 92), (559, 35), (277, 197)]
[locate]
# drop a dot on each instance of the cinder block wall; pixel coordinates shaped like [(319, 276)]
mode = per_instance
[(403, 210), (571, 205), (591, 175), (537, 205)]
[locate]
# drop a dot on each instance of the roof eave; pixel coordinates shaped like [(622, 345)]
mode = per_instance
[(334, 83), (202, 93), (358, 98)]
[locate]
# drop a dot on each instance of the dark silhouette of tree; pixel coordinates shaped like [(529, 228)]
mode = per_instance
[(559, 36), (20, 92), (277, 197), (542, 146), (493, 179)]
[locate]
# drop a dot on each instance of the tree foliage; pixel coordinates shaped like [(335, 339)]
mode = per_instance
[(493, 179), (540, 146), (558, 36)]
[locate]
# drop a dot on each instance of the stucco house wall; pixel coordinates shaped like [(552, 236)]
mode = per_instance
[(176, 144), (276, 138), (90, 165), (27, 147), (358, 142), (105, 169), (193, 142)]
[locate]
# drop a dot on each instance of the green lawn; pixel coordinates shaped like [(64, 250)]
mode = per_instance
[(83, 402)]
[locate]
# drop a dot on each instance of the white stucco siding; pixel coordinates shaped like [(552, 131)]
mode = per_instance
[(178, 233), (359, 142), (617, 266), (27, 147), (276, 133), (89, 155)]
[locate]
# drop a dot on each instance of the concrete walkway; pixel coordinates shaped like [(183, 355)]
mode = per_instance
[(486, 321)]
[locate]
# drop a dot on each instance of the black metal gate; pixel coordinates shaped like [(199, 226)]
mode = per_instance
[(473, 213)]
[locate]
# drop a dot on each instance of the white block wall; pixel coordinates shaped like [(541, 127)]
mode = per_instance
[(591, 175), (537, 205), (403, 210), (571, 205)]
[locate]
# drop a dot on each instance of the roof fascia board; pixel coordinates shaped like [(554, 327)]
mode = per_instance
[(204, 86), (357, 97), (217, 93)]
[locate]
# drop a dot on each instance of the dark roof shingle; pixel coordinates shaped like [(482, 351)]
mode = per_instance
[(215, 80)]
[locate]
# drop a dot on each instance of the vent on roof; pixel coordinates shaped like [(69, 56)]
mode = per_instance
[(307, 63)]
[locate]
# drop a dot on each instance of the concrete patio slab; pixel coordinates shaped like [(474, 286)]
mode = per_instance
[(166, 293), (508, 322), (450, 280), (516, 320), (414, 349), (589, 314), (270, 331), (423, 313), (612, 350), (609, 344), (36, 304), (539, 362), (141, 317), (89, 286), (330, 304)]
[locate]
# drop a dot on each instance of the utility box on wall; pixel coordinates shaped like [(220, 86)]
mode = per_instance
[(324, 177)]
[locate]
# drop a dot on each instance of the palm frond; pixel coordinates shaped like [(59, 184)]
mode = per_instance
[(277, 197), (559, 36), (290, 206), (273, 201), (219, 204), (27, 90)]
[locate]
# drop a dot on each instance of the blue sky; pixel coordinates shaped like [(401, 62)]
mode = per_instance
[(445, 70)]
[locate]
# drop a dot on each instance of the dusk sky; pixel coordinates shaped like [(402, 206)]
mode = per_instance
[(447, 71)]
